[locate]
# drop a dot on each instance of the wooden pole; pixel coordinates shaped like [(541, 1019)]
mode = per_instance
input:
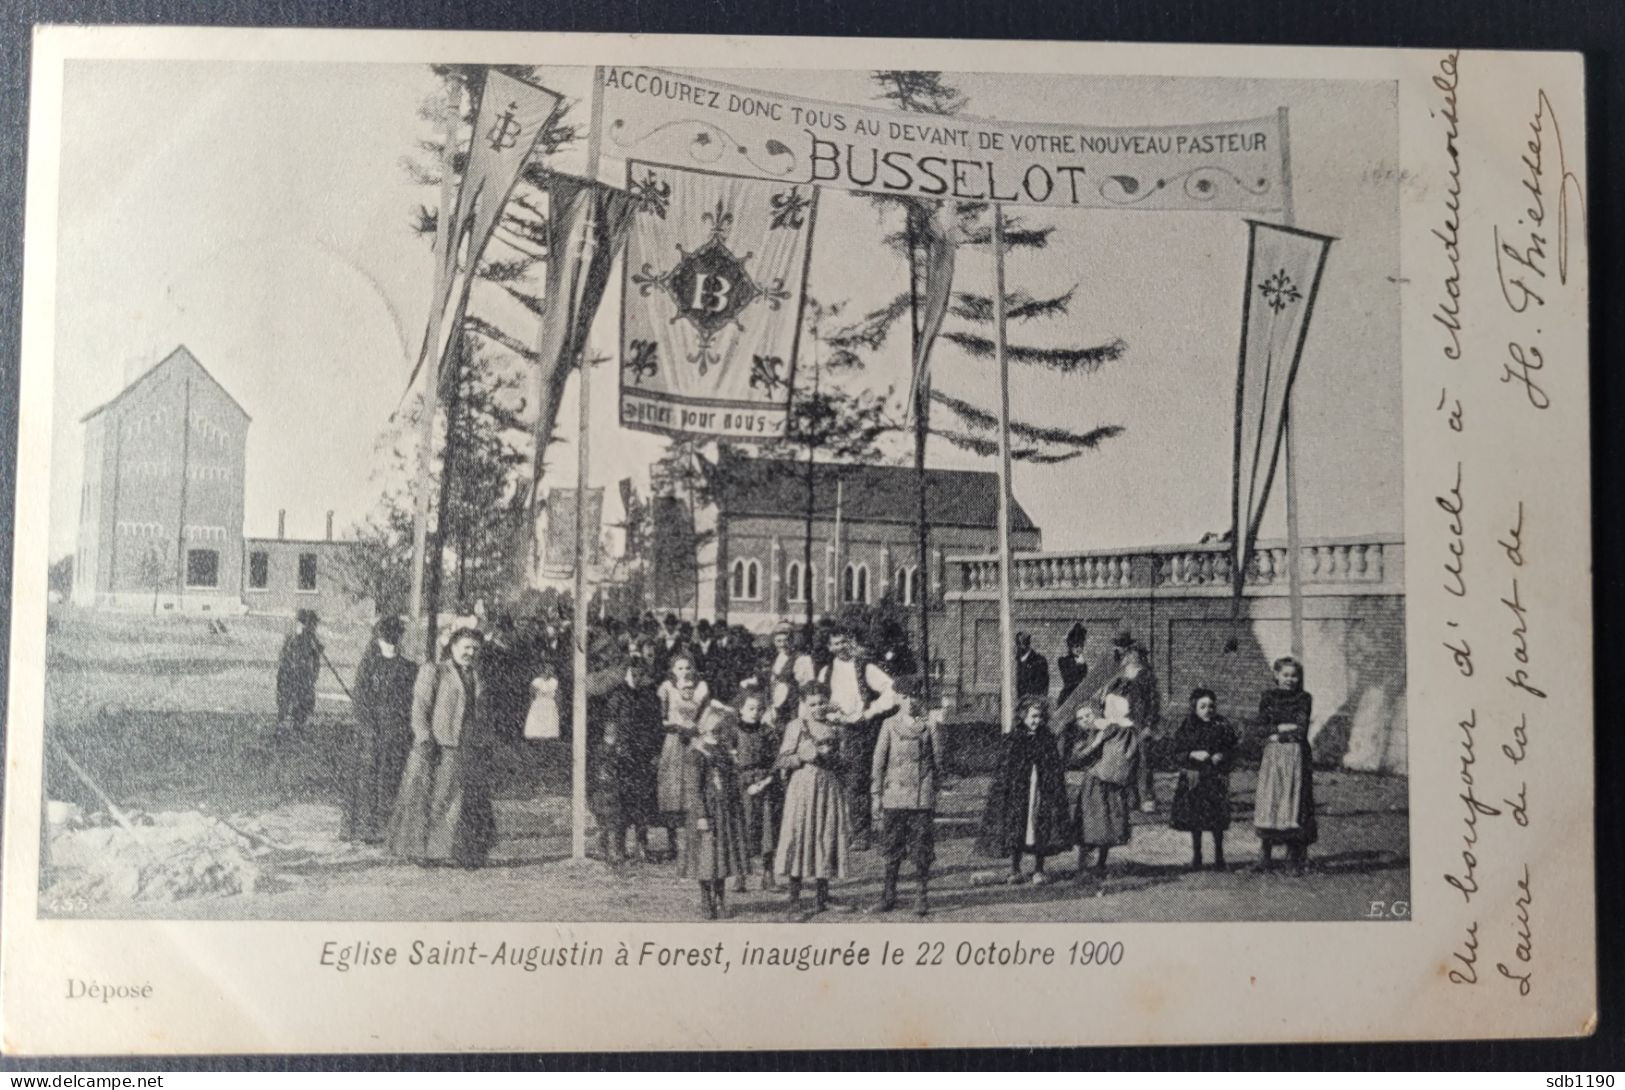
[(1294, 547), (431, 383), (1007, 639), (578, 711), (922, 425)]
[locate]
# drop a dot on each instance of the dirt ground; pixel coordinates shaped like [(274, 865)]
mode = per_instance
[(169, 717)]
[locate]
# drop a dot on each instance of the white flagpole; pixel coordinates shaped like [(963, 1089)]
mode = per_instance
[(1294, 547), (578, 737), (431, 386), (1007, 639)]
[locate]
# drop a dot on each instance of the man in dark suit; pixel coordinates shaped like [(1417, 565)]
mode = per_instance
[(1032, 672)]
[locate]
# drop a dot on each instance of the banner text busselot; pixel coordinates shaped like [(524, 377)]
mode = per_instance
[(665, 117)]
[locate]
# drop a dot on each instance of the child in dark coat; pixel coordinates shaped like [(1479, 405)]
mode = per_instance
[(621, 764), (1026, 812), (714, 848), (761, 788), (1203, 747)]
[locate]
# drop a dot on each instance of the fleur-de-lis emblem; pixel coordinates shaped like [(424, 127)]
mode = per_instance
[(642, 360), (1279, 291), (650, 195), (789, 208), (721, 221), (767, 374)]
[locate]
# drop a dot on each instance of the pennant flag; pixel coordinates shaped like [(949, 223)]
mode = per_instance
[(1284, 266), (576, 278), (937, 282), (513, 114), (716, 268)]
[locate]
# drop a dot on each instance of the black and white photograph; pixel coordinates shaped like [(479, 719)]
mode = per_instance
[(624, 543), (550, 493)]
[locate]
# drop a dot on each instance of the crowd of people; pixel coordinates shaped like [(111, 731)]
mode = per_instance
[(782, 761)]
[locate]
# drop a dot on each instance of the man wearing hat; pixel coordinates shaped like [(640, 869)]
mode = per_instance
[(296, 671), (1032, 672)]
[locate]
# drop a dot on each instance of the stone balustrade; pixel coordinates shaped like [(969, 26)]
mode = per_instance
[(1367, 564)]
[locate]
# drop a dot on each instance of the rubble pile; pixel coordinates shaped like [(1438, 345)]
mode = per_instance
[(188, 854), (161, 857)]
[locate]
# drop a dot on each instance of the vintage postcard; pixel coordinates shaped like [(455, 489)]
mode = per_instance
[(540, 542)]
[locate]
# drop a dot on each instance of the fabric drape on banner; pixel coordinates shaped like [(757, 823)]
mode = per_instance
[(936, 264), (513, 114), (711, 304), (1284, 267)]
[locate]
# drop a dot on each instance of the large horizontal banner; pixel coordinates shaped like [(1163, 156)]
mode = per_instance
[(667, 117), (715, 270)]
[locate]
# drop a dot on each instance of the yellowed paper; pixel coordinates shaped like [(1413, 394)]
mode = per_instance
[(229, 267)]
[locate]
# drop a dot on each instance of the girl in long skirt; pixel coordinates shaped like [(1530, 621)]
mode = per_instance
[(1111, 757), (813, 835), (761, 788), (1026, 812), (682, 696), (715, 840), (1203, 747), (1284, 807)]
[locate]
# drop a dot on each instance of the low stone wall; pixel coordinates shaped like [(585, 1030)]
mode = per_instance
[(1178, 603)]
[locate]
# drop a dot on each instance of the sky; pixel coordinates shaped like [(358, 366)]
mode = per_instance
[(259, 213)]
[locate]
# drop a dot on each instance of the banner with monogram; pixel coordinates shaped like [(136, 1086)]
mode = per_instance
[(513, 114), (716, 268), (669, 117), (1284, 266)]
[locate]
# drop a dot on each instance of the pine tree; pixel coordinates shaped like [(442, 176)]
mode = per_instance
[(475, 534), (968, 427)]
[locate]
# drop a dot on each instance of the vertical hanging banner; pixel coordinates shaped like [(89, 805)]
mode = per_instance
[(1284, 267), (716, 269), (513, 115), (559, 554)]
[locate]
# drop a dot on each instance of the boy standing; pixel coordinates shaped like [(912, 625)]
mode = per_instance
[(903, 790)]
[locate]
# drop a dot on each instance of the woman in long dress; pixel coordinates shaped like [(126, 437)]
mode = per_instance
[(444, 814), (1026, 811), (1204, 747), (715, 841), (813, 836), (1284, 805), (682, 697), (382, 702)]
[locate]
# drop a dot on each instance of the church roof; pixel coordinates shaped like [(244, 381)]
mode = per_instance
[(181, 356), (869, 493)]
